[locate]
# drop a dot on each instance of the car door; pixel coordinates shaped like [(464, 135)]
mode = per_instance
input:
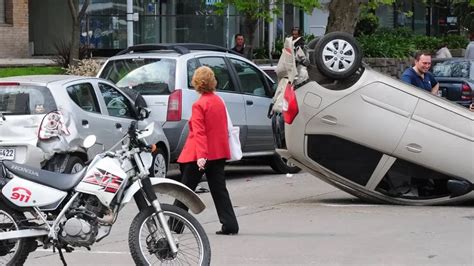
[(227, 89), (88, 112), (257, 98), (118, 113), (357, 128), (440, 136)]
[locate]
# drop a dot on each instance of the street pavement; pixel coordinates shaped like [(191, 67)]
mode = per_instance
[(300, 220)]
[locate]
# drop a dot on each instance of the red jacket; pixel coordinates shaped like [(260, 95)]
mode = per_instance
[(208, 135)]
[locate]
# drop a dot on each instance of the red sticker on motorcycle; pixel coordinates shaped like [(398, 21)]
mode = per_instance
[(21, 194), (108, 181)]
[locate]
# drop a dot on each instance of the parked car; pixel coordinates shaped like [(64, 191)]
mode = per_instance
[(374, 136), (44, 120), (456, 79), (163, 73)]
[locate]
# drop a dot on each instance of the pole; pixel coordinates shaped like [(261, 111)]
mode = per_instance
[(129, 23)]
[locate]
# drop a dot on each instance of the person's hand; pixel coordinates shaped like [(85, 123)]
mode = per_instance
[(201, 163)]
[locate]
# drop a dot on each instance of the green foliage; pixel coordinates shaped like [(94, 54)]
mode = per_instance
[(402, 43), (22, 71), (257, 9), (455, 41), (367, 24)]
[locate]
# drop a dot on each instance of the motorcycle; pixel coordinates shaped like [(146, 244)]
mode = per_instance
[(64, 211)]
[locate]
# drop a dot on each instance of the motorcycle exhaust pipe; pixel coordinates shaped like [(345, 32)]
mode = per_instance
[(23, 233)]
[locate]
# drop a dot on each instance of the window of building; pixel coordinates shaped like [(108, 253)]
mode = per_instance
[(2, 11)]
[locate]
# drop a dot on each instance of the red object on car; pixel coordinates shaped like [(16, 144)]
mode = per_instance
[(290, 104)]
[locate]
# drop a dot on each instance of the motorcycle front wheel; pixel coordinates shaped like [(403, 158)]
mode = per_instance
[(149, 246)]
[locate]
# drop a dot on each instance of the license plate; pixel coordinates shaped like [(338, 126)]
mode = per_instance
[(7, 154)]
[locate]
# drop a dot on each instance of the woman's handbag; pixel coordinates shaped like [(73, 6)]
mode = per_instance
[(234, 140)]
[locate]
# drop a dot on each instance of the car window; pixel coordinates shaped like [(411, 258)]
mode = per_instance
[(25, 100), (84, 96), (117, 104), (251, 79), (192, 65), (217, 64), (455, 69), (273, 75), (151, 76)]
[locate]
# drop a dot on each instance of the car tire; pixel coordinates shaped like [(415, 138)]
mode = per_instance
[(159, 166), (74, 164), (280, 166), (334, 61)]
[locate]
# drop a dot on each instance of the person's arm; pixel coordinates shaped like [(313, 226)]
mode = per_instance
[(199, 128), (406, 78), (435, 88)]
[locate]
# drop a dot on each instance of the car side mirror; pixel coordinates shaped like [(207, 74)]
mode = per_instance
[(143, 113)]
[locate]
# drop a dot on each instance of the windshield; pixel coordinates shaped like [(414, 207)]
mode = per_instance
[(151, 76), (455, 69), (25, 100)]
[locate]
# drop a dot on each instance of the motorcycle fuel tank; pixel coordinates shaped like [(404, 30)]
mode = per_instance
[(103, 179)]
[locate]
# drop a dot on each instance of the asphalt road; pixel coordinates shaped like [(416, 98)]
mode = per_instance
[(300, 220)]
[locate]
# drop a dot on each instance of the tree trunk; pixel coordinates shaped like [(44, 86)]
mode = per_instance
[(76, 27), (250, 27), (75, 42), (343, 15)]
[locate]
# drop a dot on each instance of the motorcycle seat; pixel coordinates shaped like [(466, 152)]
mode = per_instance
[(59, 181)]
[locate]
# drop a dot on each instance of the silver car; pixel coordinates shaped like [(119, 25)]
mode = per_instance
[(162, 74), (374, 136), (44, 119)]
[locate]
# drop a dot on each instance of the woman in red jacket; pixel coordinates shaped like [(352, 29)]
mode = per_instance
[(207, 148)]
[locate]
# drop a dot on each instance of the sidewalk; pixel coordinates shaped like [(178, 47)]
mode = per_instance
[(24, 62)]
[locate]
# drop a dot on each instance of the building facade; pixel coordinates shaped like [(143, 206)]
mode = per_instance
[(14, 29)]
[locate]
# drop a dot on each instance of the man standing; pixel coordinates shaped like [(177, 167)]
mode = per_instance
[(470, 47), (419, 74), (239, 44), (298, 40)]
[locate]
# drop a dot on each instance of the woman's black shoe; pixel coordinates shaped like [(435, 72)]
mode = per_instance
[(221, 232)]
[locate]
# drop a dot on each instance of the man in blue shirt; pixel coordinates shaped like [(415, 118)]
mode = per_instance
[(419, 74)]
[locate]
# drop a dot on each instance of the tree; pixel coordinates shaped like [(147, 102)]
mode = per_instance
[(343, 14), (254, 10), (76, 26)]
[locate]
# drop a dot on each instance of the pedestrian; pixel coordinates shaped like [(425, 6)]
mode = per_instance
[(207, 148), (470, 47), (239, 44), (443, 51), (419, 74), (298, 40)]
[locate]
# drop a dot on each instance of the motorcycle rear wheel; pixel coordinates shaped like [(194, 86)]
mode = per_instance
[(12, 251), (149, 246)]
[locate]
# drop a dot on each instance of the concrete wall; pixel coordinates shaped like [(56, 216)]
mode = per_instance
[(389, 66), (14, 32)]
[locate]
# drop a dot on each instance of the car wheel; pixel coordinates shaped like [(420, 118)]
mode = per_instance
[(337, 55), (159, 166), (74, 165), (280, 165)]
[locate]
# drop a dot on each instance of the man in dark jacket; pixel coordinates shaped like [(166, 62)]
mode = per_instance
[(239, 44)]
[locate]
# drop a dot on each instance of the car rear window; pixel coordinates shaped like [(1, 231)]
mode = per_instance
[(455, 69), (151, 76), (25, 100)]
